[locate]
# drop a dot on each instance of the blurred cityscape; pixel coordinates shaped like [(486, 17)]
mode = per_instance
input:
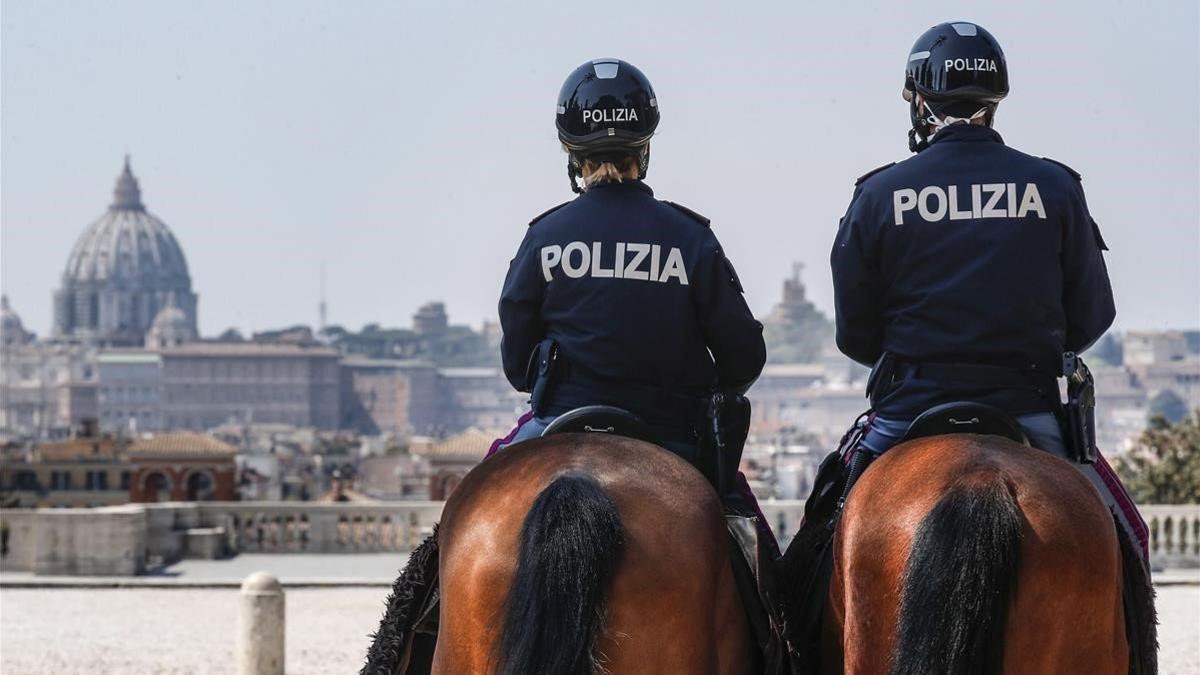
[(127, 401)]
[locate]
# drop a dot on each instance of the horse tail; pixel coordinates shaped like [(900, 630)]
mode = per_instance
[(959, 581), (570, 546)]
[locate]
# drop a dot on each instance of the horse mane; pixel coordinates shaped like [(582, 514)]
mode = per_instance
[(410, 589), (958, 583), (571, 541), (1141, 619)]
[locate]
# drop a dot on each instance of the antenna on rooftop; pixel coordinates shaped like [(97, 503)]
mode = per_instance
[(321, 308)]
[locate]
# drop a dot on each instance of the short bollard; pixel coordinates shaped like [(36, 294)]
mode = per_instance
[(261, 629)]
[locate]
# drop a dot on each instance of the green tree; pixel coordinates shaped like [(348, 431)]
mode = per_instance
[(796, 331), (798, 340), (1164, 466)]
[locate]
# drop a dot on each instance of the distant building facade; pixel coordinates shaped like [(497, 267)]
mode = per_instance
[(404, 398), (478, 398), (450, 459), (46, 388), (89, 470), (202, 385), (93, 469), (1143, 348), (802, 398), (207, 384), (129, 391), (387, 396)]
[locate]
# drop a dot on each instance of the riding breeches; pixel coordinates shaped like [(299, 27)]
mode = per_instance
[(1044, 433)]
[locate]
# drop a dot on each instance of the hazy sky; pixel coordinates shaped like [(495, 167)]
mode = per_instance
[(404, 146)]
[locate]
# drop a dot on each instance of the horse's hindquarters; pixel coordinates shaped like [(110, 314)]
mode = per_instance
[(940, 527), (669, 604)]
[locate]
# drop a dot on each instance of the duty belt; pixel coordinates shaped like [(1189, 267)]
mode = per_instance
[(984, 374), (668, 408)]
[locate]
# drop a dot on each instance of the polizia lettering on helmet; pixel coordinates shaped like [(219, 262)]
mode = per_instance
[(971, 64), (640, 262), (987, 200), (610, 115)]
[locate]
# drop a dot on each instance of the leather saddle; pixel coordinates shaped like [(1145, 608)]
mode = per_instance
[(601, 419), (963, 417)]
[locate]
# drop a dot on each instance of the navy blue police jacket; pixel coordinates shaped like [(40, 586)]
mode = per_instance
[(647, 311), (969, 252)]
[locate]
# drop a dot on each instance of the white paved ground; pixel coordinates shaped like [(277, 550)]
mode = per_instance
[(65, 631)]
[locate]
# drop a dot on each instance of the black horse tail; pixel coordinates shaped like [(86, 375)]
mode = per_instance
[(959, 581), (570, 546)]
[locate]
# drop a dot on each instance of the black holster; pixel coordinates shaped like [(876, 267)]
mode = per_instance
[(540, 373), (1079, 412), (727, 423)]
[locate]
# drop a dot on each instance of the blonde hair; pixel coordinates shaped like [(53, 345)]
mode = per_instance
[(608, 172), (595, 173)]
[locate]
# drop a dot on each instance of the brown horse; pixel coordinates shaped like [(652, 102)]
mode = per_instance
[(583, 553), (974, 554)]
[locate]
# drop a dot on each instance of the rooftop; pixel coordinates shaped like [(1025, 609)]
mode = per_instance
[(79, 449), (249, 349), (180, 444), (128, 356), (470, 445)]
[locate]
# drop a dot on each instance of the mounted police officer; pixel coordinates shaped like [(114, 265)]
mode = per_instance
[(965, 272), (620, 299), (616, 297)]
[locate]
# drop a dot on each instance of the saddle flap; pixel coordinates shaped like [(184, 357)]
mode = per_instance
[(605, 419), (963, 417)]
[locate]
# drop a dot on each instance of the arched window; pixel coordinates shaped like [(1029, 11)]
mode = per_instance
[(200, 486), (157, 487)]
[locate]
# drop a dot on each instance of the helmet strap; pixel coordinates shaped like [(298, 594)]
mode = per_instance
[(928, 123), (937, 123), (574, 171), (643, 161), (918, 135)]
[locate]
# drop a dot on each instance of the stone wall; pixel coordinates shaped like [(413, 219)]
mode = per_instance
[(121, 541), (105, 541)]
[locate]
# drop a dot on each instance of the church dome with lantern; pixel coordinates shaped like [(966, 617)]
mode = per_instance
[(125, 269)]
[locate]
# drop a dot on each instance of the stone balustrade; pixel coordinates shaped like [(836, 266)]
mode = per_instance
[(298, 527), (1174, 533), (116, 540)]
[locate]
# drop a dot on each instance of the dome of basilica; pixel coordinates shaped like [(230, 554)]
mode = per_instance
[(124, 269)]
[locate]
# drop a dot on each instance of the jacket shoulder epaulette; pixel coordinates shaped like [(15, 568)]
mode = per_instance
[(547, 212), (1074, 174), (689, 213), (872, 172)]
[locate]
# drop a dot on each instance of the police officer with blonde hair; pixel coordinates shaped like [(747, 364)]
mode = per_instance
[(618, 298)]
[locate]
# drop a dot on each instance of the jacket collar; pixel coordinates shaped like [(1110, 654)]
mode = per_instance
[(966, 133), (623, 185)]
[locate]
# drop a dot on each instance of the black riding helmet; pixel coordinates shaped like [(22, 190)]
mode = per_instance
[(606, 111), (953, 65)]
